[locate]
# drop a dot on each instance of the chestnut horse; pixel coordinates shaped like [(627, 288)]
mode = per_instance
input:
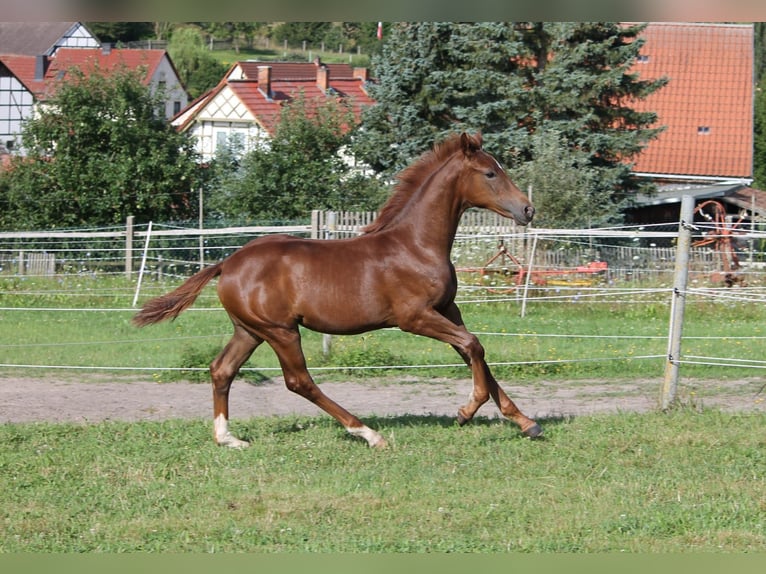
[(398, 273)]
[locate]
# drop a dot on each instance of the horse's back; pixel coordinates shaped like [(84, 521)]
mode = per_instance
[(325, 285)]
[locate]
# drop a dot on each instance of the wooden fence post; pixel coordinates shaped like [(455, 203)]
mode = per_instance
[(316, 224), (129, 246)]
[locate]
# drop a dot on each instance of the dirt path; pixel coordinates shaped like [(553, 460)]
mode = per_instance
[(93, 399)]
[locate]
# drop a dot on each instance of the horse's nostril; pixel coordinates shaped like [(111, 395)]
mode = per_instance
[(529, 211)]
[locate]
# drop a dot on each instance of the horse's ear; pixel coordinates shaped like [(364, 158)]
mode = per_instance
[(470, 144)]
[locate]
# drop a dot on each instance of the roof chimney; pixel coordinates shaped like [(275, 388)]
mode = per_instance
[(41, 63), (361, 74), (106, 48), (323, 78), (264, 80)]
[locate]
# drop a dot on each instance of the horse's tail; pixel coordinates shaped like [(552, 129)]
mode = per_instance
[(170, 305)]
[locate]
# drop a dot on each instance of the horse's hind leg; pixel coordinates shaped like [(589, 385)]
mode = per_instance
[(223, 370), (287, 345)]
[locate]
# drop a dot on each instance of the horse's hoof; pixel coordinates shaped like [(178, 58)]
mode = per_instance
[(231, 442), (535, 431), (461, 419), (380, 444)]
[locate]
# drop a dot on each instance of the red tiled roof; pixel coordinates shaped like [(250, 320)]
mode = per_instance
[(88, 60), (288, 79), (707, 105), (85, 59), (23, 67), (301, 71)]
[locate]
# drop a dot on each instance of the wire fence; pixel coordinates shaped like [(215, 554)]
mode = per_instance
[(511, 267)]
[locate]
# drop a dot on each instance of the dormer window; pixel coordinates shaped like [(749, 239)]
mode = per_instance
[(703, 130)]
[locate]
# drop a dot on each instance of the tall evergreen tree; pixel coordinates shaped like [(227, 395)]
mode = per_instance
[(408, 113), (511, 81), (759, 136), (759, 145), (584, 89)]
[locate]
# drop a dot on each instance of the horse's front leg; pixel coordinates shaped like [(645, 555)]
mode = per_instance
[(509, 409), (449, 327)]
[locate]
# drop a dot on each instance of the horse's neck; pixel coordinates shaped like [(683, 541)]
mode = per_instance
[(434, 213)]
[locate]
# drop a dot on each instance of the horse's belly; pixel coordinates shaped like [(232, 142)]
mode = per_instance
[(347, 315)]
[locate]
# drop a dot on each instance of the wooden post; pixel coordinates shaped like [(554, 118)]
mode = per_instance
[(315, 224), (129, 246), (681, 276)]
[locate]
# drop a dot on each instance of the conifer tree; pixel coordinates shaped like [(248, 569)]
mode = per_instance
[(511, 81)]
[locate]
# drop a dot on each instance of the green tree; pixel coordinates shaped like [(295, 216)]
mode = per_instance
[(295, 33), (560, 183), (511, 80), (408, 112), (759, 29), (584, 91), (759, 145), (238, 33), (98, 151), (121, 32), (197, 68), (299, 170)]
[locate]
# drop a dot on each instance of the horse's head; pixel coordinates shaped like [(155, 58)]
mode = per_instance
[(485, 184)]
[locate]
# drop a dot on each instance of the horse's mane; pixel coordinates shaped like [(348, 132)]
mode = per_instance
[(410, 180)]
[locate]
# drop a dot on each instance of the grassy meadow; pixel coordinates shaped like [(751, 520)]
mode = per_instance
[(689, 480), (679, 482), (83, 322)]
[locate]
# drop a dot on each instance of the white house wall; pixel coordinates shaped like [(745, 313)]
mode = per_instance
[(210, 134), (16, 104), (175, 96), (78, 36), (224, 119)]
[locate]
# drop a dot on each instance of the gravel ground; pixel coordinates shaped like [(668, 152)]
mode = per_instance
[(90, 399)]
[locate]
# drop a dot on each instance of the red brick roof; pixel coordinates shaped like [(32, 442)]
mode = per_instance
[(299, 71), (85, 59), (88, 60), (23, 67), (288, 79), (707, 104)]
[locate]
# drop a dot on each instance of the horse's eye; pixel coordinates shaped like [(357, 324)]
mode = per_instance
[(490, 174)]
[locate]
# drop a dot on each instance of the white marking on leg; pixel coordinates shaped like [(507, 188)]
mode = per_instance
[(373, 438), (222, 435)]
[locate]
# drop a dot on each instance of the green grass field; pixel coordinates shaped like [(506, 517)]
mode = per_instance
[(678, 482), (563, 340), (684, 481)]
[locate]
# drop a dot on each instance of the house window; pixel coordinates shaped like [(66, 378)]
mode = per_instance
[(176, 108), (703, 130), (234, 141), (642, 59)]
